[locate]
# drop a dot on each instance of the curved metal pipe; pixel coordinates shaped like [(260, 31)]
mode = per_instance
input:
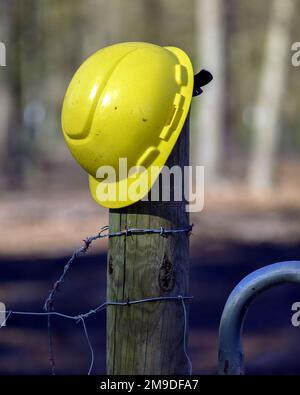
[(231, 355)]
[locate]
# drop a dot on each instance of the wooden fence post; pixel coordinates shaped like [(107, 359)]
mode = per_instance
[(148, 338)]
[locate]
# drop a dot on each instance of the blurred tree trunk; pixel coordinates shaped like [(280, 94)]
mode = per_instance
[(114, 27), (32, 70), (4, 91), (107, 33), (76, 27), (270, 93), (153, 10), (139, 20), (210, 118), (13, 158)]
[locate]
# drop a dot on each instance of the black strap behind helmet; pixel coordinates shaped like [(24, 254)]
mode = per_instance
[(201, 79)]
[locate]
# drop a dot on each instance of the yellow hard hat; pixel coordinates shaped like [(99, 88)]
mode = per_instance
[(128, 100)]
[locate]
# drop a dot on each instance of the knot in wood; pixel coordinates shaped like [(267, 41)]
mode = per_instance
[(110, 265), (166, 278)]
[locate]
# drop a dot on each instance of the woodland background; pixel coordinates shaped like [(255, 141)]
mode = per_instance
[(245, 129)]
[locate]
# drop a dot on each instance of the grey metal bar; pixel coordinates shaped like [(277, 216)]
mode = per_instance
[(231, 355)]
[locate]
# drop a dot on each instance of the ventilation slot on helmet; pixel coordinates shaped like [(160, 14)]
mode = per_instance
[(173, 118), (181, 75), (148, 157)]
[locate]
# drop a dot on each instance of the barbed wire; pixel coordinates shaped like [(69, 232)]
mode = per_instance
[(89, 240), (81, 318), (49, 303)]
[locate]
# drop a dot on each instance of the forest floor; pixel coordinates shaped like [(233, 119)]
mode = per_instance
[(49, 223)]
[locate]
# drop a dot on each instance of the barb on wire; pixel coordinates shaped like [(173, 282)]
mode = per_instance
[(81, 318)]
